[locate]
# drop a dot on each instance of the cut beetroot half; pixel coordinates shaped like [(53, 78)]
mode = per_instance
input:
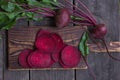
[(39, 59), (45, 43), (22, 58), (70, 56), (42, 32)]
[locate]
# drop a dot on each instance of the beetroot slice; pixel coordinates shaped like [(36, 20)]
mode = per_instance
[(56, 54), (45, 43), (70, 56), (39, 59), (42, 32), (59, 45), (22, 58), (63, 65)]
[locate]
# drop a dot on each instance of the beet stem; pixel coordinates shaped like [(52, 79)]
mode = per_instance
[(93, 18), (49, 10), (79, 23), (92, 73), (80, 15), (114, 58), (45, 14), (82, 12)]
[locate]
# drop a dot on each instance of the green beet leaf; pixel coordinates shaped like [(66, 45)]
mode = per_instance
[(83, 44)]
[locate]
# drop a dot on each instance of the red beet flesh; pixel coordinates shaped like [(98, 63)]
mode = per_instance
[(70, 56), (39, 59), (62, 18), (99, 31), (42, 32), (45, 43), (59, 45), (23, 58)]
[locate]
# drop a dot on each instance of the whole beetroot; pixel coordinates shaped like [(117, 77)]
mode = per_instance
[(99, 31), (62, 17)]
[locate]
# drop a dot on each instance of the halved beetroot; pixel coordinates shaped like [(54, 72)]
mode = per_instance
[(59, 46), (42, 32), (70, 56), (45, 43), (39, 59), (22, 58)]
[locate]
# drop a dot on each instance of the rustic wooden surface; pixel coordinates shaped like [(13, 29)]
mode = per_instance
[(105, 68)]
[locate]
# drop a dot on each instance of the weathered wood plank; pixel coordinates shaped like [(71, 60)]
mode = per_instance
[(21, 38), (13, 75), (53, 75), (114, 33), (2, 33)]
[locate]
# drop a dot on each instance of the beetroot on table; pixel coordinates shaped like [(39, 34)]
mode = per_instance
[(70, 56), (99, 31), (62, 17), (59, 45), (39, 59), (42, 32), (22, 58), (45, 43)]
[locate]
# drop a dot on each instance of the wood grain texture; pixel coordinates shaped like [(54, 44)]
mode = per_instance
[(13, 75), (21, 38)]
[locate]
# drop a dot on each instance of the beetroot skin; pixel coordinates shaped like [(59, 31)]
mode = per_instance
[(70, 56), (62, 17), (45, 43), (39, 59), (99, 31), (42, 32), (22, 58)]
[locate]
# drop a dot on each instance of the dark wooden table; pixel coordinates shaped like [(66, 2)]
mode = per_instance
[(106, 11)]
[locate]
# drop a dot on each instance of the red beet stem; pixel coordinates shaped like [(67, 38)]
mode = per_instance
[(45, 14), (77, 14), (114, 58), (82, 12), (49, 10), (92, 73), (84, 24), (85, 7), (32, 9)]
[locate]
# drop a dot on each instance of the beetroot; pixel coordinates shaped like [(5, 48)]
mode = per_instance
[(65, 66), (42, 32), (23, 57), (45, 43), (99, 31), (39, 59), (62, 17), (70, 56), (59, 45)]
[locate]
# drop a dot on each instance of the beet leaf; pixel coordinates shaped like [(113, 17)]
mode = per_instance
[(83, 44)]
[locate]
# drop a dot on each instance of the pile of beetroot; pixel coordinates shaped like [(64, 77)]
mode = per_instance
[(50, 49)]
